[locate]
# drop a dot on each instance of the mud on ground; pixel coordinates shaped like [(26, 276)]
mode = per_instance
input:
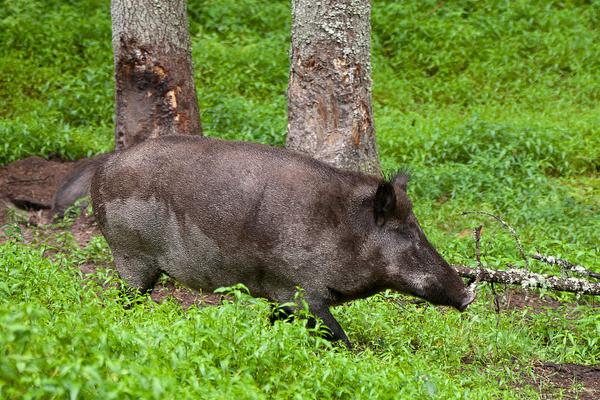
[(566, 381), (32, 180)]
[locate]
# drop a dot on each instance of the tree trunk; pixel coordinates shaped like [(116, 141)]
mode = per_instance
[(329, 92), (155, 92)]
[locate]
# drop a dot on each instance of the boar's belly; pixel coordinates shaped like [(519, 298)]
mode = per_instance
[(180, 249)]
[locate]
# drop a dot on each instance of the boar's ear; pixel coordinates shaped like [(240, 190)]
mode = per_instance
[(404, 207), (385, 203), (400, 181)]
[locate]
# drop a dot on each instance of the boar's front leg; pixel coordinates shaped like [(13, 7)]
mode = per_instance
[(337, 333), (140, 273)]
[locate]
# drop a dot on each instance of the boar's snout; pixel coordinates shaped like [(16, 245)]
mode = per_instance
[(443, 286), (461, 296), (454, 289), (469, 298), (447, 289)]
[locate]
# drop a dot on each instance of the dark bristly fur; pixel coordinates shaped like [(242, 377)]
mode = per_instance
[(214, 213)]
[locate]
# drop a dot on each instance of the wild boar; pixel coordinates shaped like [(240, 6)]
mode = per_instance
[(75, 185), (214, 213)]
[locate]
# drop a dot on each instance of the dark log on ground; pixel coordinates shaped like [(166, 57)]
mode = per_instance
[(527, 279)]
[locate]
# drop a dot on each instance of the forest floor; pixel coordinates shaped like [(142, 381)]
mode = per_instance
[(34, 180)]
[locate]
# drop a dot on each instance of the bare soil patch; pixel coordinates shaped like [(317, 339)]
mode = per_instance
[(520, 298), (32, 181), (516, 298), (84, 229), (567, 381), (184, 296)]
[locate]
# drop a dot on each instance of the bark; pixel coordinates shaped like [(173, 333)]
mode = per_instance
[(329, 92), (155, 92), (527, 279)]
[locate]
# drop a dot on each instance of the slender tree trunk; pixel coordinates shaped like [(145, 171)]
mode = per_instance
[(155, 92), (329, 93)]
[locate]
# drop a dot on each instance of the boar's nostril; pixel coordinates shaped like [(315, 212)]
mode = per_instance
[(468, 300)]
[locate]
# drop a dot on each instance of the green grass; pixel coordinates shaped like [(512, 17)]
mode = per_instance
[(491, 105), (64, 336)]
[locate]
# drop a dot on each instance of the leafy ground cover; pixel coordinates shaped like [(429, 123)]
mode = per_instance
[(66, 334), (491, 105)]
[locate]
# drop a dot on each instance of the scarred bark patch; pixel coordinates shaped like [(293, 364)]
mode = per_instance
[(155, 91)]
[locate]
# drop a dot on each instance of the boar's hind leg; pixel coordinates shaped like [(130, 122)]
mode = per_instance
[(140, 273), (337, 333)]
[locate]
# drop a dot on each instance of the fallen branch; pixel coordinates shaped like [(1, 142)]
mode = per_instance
[(514, 276), (565, 265)]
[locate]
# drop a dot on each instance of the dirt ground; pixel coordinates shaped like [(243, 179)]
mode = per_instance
[(571, 381), (30, 184), (32, 180)]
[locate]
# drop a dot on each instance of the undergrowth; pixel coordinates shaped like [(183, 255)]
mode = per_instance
[(64, 336)]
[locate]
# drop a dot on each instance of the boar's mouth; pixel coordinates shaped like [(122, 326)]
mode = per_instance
[(442, 295), (442, 285), (469, 298)]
